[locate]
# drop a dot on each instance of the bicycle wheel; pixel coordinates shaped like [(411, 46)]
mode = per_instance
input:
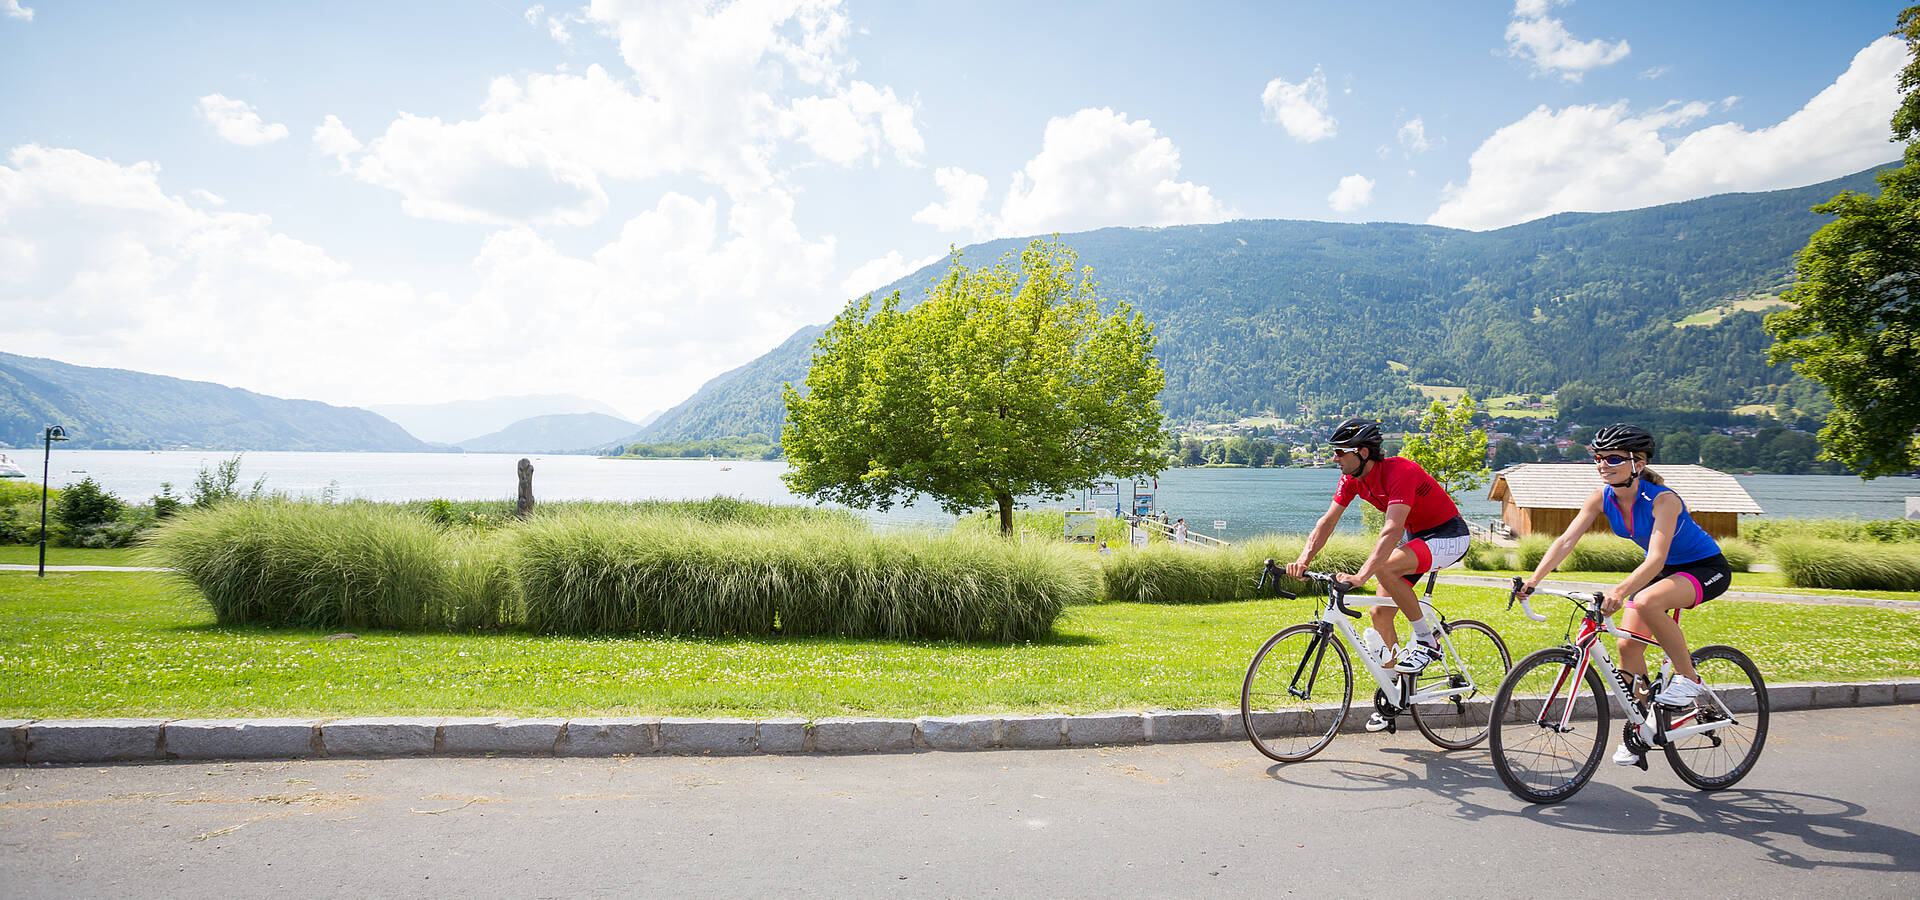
[(1476, 661), (1540, 759), (1715, 759), (1297, 692)]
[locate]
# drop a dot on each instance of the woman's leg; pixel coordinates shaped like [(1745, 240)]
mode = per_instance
[(1651, 615)]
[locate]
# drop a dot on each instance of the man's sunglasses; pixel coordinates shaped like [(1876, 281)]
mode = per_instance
[(1612, 459)]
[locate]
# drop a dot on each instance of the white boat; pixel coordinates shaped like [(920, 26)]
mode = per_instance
[(9, 470)]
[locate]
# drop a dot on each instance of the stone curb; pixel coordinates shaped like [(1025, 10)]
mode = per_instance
[(127, 740)]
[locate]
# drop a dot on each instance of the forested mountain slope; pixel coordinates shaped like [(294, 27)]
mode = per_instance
[(1257, 316)]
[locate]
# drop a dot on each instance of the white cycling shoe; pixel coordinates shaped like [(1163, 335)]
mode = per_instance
[(1625, 756), (1680, 691), (1378, 723), (1415, 657)]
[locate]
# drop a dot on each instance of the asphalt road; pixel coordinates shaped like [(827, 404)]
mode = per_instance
[(1831, 811)]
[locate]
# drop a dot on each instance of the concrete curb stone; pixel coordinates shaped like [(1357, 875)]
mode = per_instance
[(240, 738), (1183, 725), (683, 734), (1106, 728), (787, 735), (93, 740), (13, 740), (380, 736), (842, 734), (116, 740), (609, 737), (494, 734), (1049, 730), (969, 732)]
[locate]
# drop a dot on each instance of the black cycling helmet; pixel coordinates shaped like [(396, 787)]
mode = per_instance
[(1355, 433), (1627, 438)]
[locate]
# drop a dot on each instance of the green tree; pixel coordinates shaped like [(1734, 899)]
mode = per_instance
[(1511, 452), (86, 504), (1717, 451), (222, 484), (1679, 447), (1855, 323), (1449, 447), (1003, 382)]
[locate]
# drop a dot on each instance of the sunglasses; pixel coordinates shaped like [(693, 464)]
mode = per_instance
[(1612, 459), (1341, 451)]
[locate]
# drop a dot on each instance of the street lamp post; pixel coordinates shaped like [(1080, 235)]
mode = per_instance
[(54, 433)]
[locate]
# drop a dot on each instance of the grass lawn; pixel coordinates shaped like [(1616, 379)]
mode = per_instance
[(140, 644), (14, 554), (1756, 582)]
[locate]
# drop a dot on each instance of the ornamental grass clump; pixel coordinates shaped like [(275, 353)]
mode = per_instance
[(1168, 573), (651, 573), (358, 565), (1816, 563), (1603, 553)]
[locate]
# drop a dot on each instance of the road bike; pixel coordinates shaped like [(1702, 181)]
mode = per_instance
[(1300, 684), (1548, 735)]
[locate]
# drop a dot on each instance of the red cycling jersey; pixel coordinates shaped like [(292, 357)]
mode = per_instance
[(1397, 479)]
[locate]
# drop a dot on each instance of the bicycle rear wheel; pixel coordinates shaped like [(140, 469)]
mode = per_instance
[(1476, 661), (1539, 758), (1297, 692), (1717, 759)]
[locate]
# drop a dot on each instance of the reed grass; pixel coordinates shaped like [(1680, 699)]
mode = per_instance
[(355, 565), (1165, 573), (587, 573), (1604, 553), (1820, 563)]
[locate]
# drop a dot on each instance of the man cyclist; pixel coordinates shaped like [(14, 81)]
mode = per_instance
[(1683, 569), (1423, 532)]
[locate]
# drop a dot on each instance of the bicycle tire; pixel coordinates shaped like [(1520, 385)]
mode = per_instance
[(1479, 659), (1718, 759), (1537, 762), (1283, 701)]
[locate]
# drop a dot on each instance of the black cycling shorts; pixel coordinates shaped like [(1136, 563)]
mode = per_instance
[(1709, 577)]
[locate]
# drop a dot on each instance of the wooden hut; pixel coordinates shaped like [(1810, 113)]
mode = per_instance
[(1542, 498)]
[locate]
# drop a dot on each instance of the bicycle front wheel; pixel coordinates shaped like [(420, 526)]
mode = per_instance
[(1475, 663), (1297, 692), (1547, 735), (1711, 760)]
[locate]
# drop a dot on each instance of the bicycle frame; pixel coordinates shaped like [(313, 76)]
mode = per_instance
[(1584, 645), (1333, 618)]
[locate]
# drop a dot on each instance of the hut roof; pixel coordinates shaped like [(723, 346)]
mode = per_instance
[(1567, 485)]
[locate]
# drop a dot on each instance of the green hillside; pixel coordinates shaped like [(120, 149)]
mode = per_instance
[(114, 409), (1274, 316)]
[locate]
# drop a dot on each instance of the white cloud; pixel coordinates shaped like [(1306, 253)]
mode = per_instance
[(727, 93), (14, 10), (333, 138), (1354, 192), (1599, 158), (103, 267), (1413, 136), (1300, 108), (879, 272), (1653, 72), (1094, 169), (236, 121), (1535, 36)]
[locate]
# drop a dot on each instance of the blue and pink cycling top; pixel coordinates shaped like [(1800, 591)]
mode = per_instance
[(1691, 543)]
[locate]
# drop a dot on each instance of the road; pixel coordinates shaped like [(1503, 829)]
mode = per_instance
[(1829, 811)]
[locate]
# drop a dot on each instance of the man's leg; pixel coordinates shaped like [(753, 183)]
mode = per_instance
[(1403, 562)]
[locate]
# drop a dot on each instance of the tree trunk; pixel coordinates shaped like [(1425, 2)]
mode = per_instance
[(1006, 513)]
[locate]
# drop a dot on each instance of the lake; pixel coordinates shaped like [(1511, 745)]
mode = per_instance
[(1249, 501)]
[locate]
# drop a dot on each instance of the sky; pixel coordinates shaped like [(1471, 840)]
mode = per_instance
[(375, 203)]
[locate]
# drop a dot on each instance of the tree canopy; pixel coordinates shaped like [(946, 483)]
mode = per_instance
[(1855, 326), (1449, 447), (1010, 380)]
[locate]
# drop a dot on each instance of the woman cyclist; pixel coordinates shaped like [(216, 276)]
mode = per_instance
[(1683, 568)]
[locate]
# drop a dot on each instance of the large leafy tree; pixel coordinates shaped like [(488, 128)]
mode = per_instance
[(1449, 447), (1008, 380), (1855, 325)]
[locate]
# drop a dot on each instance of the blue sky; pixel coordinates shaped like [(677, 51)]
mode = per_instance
[(369, 203)]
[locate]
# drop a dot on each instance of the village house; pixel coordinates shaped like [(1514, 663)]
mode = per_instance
[(1542, 498)]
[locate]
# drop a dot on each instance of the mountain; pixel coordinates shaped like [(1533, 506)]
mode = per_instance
[(452, 423), (114, 409), (553, 434), (1278, 316)]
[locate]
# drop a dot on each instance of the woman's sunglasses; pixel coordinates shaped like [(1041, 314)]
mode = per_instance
[(1612, 459)]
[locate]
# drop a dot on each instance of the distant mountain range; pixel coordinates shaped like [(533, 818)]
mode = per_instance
[(114, 409), (1282, 316), (462, 421), (553, 434)]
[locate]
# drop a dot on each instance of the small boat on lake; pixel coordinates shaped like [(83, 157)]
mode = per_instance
[(9, 470)]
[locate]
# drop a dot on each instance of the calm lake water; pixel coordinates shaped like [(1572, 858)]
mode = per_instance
[(1249, 501)]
